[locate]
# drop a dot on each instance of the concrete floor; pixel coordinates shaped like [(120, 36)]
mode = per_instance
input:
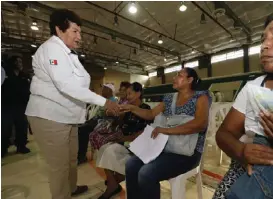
[(25, 177)]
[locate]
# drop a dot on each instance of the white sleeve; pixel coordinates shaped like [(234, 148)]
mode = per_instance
[(241, 100), (62, 76)]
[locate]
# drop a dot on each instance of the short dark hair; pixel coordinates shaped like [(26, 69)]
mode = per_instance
[(137, 87), (12, 60), (125, 84), (196, 80), (268, 20), (61, 19)]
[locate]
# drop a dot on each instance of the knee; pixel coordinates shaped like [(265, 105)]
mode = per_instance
[(131, 166), (145, 176)]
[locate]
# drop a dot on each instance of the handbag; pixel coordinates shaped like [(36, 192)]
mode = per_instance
[(180, 144)]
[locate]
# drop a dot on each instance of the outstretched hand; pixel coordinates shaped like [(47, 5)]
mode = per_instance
[(112, 107), (126, 108)]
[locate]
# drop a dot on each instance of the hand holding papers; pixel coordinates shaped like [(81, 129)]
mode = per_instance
[(147, 148)]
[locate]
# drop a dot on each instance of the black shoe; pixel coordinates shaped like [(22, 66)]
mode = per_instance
[(82, 160), (118, 190), (105, 182), (80, 190), (23, 150)]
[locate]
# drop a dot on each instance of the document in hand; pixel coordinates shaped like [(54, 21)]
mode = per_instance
[(147, 148)]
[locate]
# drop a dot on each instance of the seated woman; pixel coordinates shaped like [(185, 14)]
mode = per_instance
[(142, 180), (232, 139), (108, 91), (113, 156), (104, 131)]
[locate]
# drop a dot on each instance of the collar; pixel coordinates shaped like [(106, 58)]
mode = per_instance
[(61, 43)]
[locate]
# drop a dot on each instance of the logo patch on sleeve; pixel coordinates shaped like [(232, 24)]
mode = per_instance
[(53, 62)]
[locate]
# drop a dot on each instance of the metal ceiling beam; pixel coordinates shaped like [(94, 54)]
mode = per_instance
[(212, 18), (235, 18), (109, 31), (150, 29), (102, 56)]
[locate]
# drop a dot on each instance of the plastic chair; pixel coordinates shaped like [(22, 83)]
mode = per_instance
[(178, 184)]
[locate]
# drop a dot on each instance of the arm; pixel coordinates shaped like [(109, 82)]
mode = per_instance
[(63, 78), (198, 124), (130, 138), (145, 114), (229, 133), (232, 128)]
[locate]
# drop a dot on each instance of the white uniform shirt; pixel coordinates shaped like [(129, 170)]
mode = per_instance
[(240, 103), (60, 86)]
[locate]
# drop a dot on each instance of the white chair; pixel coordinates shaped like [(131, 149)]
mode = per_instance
[(178, 184)]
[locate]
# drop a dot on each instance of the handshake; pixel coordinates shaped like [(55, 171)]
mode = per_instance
[(117, 109)]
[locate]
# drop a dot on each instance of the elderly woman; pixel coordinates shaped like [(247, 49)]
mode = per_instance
[(57, 104), (104, 131), (112, 157), (142, 180), (231, 136)]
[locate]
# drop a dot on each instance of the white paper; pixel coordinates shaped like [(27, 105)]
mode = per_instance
[(147, 148)]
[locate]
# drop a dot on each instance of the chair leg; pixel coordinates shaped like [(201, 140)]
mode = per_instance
[(178, 188), (199, 185), (221, 158)]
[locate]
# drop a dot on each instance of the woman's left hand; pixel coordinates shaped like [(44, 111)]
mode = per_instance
[(267, 123), (156, 131)]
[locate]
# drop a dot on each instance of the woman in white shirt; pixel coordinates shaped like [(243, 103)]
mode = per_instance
[(59, 93), (231, 136)]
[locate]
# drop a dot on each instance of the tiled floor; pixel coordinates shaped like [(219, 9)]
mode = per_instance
[(24, 177)]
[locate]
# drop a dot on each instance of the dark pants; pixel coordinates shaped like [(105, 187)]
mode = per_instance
[(84, 132), (13, 117), (142, 181)]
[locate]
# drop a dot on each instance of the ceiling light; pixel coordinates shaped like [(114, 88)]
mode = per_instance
[(160, 41), (34, 27), (116, 20), (133, 8), (218, 10), (117, 62), (34, 23), (192, 52), (105, 68), (33, 45), (82, 55), (165, 59), (237, 26), (232, 39), (203, 19), (95, 41), (183, 7)]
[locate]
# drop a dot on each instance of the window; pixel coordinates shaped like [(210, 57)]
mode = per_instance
[(254, 50), (235, 54), (227, 56), (218, 58), (191, 64), (152, 74), (172, 69)]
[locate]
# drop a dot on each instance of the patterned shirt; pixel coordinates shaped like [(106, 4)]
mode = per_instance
[(189, 109)]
